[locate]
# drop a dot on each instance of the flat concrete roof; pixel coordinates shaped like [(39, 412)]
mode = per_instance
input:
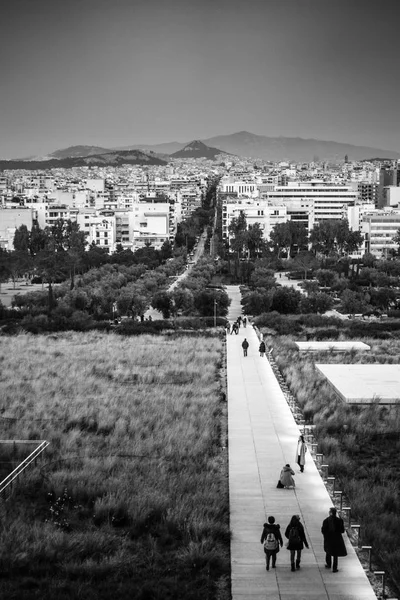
[(331, 346), (364, 384)]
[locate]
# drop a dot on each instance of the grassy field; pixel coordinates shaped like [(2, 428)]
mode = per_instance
[(131, 497), (361, 444)]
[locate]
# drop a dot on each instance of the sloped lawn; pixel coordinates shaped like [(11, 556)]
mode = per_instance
[(131, 497)]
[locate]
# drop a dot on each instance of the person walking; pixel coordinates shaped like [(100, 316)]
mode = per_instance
[(245, 345), (262, 348), (271, 538), (301, 453), (286, 477), (244, 321), (334, 546), (297, 540)]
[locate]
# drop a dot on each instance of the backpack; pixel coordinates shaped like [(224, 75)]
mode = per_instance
[(294, 536), (271, 543)]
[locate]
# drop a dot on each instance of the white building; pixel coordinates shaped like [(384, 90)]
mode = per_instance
[(255, 211), (325, 201), (379, 228), (10, 220)]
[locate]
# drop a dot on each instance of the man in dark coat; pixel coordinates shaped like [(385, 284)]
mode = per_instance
[(332, 529), (245, 345)]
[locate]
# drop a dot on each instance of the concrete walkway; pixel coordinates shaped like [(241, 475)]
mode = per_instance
[(262, 437)]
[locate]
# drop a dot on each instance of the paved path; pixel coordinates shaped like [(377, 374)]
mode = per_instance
[(262, 437)]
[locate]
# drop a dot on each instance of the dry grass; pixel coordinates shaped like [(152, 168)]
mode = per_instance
[(133, 487)]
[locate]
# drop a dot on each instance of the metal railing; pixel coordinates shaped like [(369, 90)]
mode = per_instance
[(7, 484)]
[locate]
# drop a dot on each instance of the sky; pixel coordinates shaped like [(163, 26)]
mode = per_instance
[(124, 72)]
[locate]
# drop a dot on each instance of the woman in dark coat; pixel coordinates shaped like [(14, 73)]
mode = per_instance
[(297, 540), (271, 527), (334, 546), (262, 348)]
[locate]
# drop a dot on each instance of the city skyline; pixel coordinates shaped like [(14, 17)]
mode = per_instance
[(147, 72)]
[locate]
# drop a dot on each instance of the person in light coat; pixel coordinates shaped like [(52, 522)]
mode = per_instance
[(301, 453), (286, 477)]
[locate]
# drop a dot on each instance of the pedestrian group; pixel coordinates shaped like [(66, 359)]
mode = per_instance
[(332, 530)]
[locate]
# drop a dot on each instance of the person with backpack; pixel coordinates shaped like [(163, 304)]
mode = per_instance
[(245, 345), (334, 546), (297, 540), (262, 348), (272, 539)]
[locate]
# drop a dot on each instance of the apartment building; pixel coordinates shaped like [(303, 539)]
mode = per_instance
[(10, 220), (379, 228), (255, 211), (323, 200)]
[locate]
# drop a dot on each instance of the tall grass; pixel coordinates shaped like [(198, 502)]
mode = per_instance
[(133, 489)]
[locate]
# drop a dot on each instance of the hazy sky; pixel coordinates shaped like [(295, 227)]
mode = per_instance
[(120, 72)]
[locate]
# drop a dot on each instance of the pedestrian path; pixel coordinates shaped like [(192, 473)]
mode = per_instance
[(262, 437)]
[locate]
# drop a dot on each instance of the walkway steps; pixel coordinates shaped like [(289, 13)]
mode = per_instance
[(262, 437)]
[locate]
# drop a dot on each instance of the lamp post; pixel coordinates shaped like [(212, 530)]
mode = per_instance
[(215, 312)]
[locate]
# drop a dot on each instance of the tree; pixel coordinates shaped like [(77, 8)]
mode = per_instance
[(305, 261), (353, 302), (38, 239), (290, 237), (335, 237), (316, 303), (238, 229), (255, 241), (326, 277), (21, 240), (162, 302), (281, 239), (208, 301), (257, 302), (286, 300)]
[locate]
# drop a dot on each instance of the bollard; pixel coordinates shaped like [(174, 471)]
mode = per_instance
[(340, 494), (381, 574), (324, 468), (348, 509), (369, 550), (332, 481), (358, 529)]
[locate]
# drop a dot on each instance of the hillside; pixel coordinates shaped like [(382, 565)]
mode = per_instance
[(131, 157), (79, 152), (197, 149)]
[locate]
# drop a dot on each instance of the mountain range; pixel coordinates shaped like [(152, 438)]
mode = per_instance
[(242, 144), (276, 149), (108, 158)]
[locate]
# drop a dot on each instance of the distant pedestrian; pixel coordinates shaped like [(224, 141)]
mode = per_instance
[(228, 327), (235, 328), (334, 546), (301, 453), (286, 477), (297, 540), (262, 348), (244, 320), (271, 538), (239, 320), (245, 345)]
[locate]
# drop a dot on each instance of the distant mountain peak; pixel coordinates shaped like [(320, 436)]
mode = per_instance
[(197, 149)]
